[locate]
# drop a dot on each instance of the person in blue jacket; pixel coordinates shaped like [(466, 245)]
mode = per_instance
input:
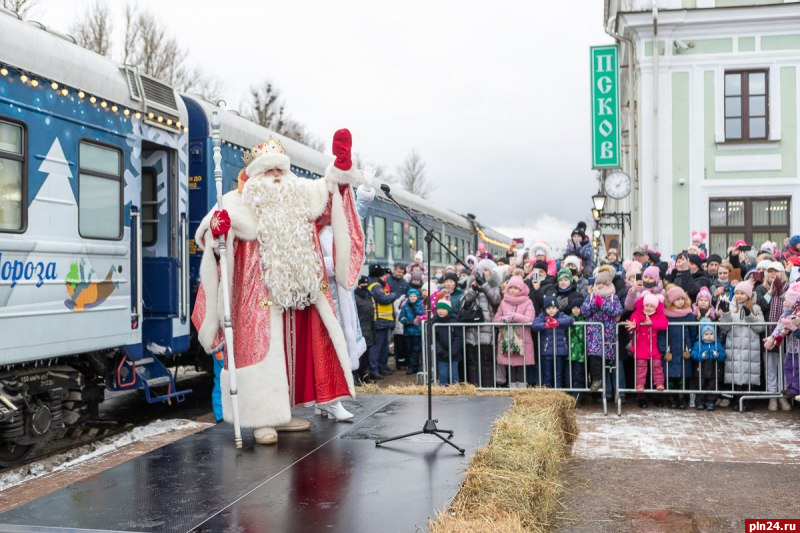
[(551, 326)]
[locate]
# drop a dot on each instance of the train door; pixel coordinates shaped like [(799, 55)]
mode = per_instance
[(163, 253)]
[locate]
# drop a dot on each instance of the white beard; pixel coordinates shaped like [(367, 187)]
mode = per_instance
[(289, 260)]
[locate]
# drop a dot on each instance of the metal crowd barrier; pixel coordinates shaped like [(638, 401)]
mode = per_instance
[(689, 385), (478, 364)]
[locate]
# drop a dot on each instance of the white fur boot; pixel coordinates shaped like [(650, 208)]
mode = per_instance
[(265, 435)]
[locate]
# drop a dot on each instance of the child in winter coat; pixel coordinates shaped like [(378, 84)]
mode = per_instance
[(702, 307), (566, 287), (647, 320), (551, 327), (515, 349), (411, 315), (577, 345), (789, 322), (677, 365), (708, 353), (743, 346), (449, 340), (603, 306)]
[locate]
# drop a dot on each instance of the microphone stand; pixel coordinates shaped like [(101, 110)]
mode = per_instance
[(429, 428)]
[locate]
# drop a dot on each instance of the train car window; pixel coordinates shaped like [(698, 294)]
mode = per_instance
[(149, 207), (380, 237), (99, 192), (413, 243), (397, 240), (436, 248), (12, 186)]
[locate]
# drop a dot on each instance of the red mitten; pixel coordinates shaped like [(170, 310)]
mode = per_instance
[(342, 142), (598, 300), (220, 223), (550, 322)]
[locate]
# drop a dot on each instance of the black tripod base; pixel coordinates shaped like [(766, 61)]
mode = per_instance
[(428, 429)]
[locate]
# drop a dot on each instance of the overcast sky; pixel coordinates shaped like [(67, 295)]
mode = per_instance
[(493, 95)]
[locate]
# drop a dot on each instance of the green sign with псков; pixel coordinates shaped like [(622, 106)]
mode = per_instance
[(605, 107)]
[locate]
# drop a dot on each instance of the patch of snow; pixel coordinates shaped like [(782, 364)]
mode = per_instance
[(90, 451), (157, 349), (688, 436)]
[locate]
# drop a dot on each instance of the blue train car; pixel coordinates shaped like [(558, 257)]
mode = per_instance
[(93, 231)]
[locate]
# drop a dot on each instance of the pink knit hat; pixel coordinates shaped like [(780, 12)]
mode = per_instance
[(652, 272), (631, 267), (675, 293), (516, 281), (793, 294), (703, 293), (651, 299), (745, 287)]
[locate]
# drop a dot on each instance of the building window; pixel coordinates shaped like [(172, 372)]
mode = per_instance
[(99, 192), (380, 237), (753, 220), (397, 240), (12, 164), (746, 105)]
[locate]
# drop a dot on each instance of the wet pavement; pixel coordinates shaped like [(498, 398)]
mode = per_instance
[(330, 478)]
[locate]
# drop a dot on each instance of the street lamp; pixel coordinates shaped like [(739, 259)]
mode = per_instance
[(596, 214), (599, 202), (596, 233)]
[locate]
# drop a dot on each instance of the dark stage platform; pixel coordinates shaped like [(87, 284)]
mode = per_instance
[(331, 478)]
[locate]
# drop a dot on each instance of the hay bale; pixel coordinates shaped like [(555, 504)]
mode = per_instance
[(514, 483)]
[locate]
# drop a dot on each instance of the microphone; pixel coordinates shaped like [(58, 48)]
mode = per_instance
[(385, 188)]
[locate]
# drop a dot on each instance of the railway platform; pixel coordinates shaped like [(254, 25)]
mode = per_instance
[(332, 478)]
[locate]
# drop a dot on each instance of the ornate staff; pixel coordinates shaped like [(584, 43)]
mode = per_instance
[(223, 264)]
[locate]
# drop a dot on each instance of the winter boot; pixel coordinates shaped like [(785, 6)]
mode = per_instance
[(295, 424), (334, 411), (773, 405), (785, 405), (265, 435)]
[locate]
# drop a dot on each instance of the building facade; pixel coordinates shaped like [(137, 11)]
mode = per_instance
[(710, 108)]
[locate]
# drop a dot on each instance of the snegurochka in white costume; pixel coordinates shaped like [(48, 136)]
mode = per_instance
[(289, 347)]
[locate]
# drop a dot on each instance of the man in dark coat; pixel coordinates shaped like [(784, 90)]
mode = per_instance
[(689, 275), (365, 307)]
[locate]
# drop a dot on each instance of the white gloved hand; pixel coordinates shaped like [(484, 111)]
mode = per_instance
[(369, 174)]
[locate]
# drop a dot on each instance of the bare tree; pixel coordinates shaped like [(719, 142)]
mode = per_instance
[(94, 31), (295, 130), (207, 86), (20, 7), (267, 109), (412, 175), (148, 46)]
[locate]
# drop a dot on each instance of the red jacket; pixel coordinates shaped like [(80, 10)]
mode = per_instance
[(644, 339)]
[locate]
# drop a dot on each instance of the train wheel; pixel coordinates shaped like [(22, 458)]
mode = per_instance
[(12, 454)]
